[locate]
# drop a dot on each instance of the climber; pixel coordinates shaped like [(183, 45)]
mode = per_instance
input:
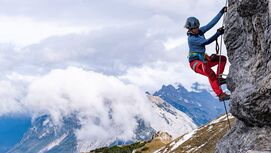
[(200, 62)]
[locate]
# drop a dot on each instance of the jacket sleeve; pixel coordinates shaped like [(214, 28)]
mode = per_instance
[(203, 42), (211, 23), (210, 40)]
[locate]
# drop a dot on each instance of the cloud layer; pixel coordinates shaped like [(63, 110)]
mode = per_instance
[(104, 105), (96, 35), (10, 96), (145, 47), (148, 76), (94, 57)]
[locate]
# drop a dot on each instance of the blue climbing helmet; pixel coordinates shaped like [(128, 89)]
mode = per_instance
[(192, 23)]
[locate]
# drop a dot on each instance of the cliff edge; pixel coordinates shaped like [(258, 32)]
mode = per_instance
[(248, 42)]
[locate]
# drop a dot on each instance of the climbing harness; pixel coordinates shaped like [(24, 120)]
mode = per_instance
[(219, 50), (197, 56)]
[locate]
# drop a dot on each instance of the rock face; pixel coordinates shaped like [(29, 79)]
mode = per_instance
[(248, 42), (163, 137)]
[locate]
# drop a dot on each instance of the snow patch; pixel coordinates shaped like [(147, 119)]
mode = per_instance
[(173, 118), (172, 143), (44, 133), (53, 144), (186, 101), (45, 122), (158, 151), (195, 149), (220, 119), (210, 127), (184, 139)]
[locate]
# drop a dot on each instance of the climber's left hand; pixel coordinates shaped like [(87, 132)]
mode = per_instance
[(221, 30), (224, 9)]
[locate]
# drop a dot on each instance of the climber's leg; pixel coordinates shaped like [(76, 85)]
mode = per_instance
[(215, 61), (204, 69)]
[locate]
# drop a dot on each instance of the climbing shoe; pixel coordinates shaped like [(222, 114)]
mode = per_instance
[(222, 81), (223, 97)]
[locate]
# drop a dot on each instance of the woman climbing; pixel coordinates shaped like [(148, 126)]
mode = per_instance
[(199, 61)]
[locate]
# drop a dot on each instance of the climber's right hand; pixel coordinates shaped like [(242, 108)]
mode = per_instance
[(224, 9), (221, 30)]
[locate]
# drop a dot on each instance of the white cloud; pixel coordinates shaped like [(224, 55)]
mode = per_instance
[(95, 35), (40, 18), (173, 43), (10, 96), (19, 78), (105, 106), (111, 50), (152, 76), (141, 41), (25, 31), (116, 42), (92, 10)]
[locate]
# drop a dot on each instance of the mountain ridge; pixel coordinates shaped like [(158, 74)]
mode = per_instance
[(201, 106), (44, 136), (200, 140)]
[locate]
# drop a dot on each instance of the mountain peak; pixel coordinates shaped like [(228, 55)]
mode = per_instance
[(168, 87), (201, 106)]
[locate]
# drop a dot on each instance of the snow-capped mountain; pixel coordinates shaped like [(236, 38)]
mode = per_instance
[(200, 140), (45, 137), (174, 122), (198, 104)]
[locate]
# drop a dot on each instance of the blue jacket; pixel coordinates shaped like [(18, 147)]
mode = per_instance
[(197, 42)]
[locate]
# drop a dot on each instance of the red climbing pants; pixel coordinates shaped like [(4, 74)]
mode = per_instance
[(205, 69)]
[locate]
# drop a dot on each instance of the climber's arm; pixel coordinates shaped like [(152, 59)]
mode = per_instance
[(212, 22), (201, 41), (212, 39)]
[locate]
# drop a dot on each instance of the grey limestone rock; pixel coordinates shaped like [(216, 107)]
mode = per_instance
[(243, 139), (248, 42)]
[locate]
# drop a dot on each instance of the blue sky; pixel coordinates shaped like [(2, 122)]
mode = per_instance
[(132, 43)]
